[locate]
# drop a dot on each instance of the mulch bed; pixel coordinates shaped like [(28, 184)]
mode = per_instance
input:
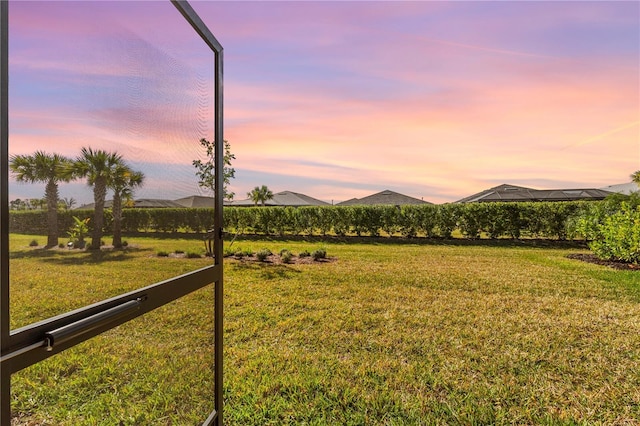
[(592, 258), (274, 259)]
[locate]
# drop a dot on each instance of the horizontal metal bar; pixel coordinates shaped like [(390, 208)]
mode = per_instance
[(9, 356), (86, 325)]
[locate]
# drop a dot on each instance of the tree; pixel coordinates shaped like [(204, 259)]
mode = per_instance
[(99, 167), (260, 194), (50, 169), (636, 177), (124, 180), (17, 204), (68, 203), (205, 170)]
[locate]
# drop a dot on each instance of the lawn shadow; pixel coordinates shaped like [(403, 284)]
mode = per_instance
[(78, 257), (431, 241)]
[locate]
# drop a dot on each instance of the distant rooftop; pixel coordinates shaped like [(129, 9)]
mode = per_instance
[(513, 193), (151, 203), (623, 188), (284, 198), (385, 197), (196, 201)]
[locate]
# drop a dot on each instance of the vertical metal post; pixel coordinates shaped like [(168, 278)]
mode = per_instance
[(218, 249), (199, 26), (5, 373)]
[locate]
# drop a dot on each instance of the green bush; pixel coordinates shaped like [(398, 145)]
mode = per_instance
[(447, 219), (618, 236), (325, 219), (262, 255), (341, 220), (304, 253), (33, 243), (286, 256), (319, 254), (470, 219), (390, 219)]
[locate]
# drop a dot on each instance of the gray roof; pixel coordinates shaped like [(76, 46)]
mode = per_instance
[(196, 201), (155, 203), (623, 188), (385, 197), (284, 198), (512, 193), (151, 203)]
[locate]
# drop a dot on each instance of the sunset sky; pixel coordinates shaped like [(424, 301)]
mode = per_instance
[(436, 100)]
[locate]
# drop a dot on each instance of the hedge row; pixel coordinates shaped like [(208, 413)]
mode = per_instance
[(495, 220), (133, 220)]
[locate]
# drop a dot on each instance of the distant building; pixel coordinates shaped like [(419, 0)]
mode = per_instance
[(383, 198), (142, 203), (282, 199), (623, 188), (196, 201), (513, 193)]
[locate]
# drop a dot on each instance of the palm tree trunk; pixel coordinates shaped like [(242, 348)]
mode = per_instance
[(117, 220), (51, 193), (99, 194)]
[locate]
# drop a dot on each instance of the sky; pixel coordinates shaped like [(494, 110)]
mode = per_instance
[(336, 100)]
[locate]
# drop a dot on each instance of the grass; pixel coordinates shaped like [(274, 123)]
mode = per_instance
[(393, 333)]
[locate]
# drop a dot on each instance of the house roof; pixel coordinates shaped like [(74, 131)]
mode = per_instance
[(196, 201), (385, 197), (623, 188), (151, 203), (512, 193), (284, 198)]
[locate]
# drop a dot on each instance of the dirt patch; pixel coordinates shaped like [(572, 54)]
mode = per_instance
[(592, 258), (274, 259)]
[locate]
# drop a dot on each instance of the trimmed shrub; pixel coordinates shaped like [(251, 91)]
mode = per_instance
[(262, 255), (319, 254), (304, 254), (286, 256), (470, 219), (341, 220), (390, 219), (447, 219)]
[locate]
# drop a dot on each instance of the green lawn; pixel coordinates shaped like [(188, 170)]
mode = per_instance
[(389, 333)]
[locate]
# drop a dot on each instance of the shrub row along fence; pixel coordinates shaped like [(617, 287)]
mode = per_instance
[(133, 220), (557, 220)]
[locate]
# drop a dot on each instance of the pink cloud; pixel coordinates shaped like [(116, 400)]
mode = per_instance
[(444, 96)]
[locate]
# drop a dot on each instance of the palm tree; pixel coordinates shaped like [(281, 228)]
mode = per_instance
[(260, 194), (48, 168), (68, 203), (99, 168), (636, 177), (123, 182)]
